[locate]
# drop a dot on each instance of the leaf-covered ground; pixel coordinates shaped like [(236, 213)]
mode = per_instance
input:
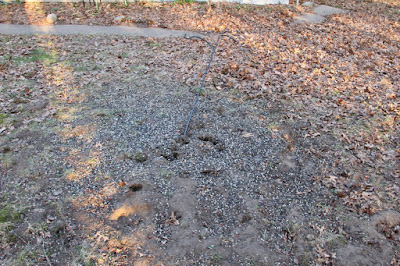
[(293, 157)]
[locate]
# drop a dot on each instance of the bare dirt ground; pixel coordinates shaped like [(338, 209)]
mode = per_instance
[(292, 157)]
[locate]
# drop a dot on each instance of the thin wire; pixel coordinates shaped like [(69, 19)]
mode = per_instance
[(213, 49), (198, 37)]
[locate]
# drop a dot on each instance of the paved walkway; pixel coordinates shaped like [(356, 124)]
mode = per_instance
[(320, 13), (84, 29)]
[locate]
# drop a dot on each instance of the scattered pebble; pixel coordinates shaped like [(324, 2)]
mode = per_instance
[(51, 18), (119, 19), (57, 192)]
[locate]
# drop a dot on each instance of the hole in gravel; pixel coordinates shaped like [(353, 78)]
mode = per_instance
[(170, 156), (5, 149), (207, 171), (246, 218), (183, 140), (209, 138), (210, 171), (170, 153), (135, 187), (219, 145), (177, 214)]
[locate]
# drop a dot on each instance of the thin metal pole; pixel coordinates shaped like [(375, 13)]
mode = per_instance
[(213, 49)]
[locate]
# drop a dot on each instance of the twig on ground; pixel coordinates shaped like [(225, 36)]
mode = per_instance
[(23, 240), (44, 251)]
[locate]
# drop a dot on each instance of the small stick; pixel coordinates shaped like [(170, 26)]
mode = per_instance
[(44, 251), (12, 231), (213, 49)]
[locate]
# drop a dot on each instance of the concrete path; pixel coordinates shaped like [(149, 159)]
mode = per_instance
[(320, 13), (84, 29)]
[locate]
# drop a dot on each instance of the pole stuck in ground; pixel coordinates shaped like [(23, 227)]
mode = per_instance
[(213, 49)]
